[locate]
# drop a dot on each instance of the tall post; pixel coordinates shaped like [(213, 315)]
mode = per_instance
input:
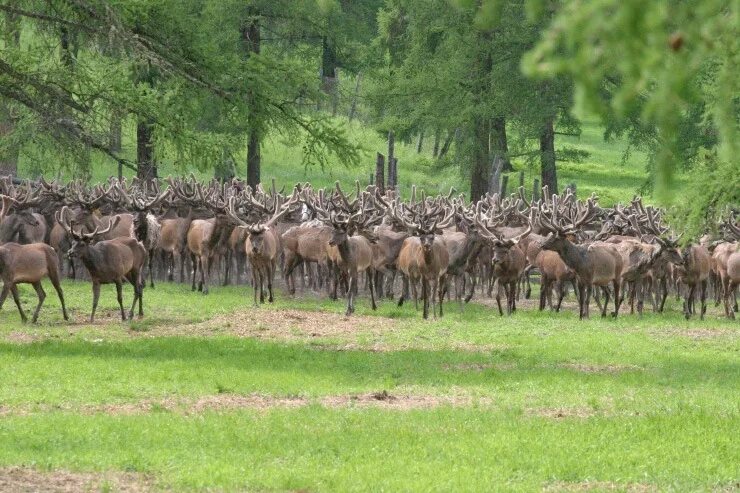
[(536, 189), (504, 184), (380, 173), (521, 178)]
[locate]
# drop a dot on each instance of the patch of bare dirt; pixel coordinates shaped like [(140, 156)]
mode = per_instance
[(227, 402), (479, 366), (565, 486), (592, 368), (21, 337), (696, 333), (23, 479), (561, 412), (289, 325)]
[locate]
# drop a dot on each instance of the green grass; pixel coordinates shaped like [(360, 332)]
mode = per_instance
[(648, 402), (604, 171)]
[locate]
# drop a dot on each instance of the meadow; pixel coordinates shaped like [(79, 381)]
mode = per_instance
[(211, 392)]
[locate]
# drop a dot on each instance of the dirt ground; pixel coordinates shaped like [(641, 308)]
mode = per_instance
[(27, 480)]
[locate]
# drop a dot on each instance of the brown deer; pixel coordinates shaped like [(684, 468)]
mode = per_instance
[(694, 271), (351, 236), (598, 264), (553, 273), (262, 245), (424, 256), (508, 260), (22, 226), (108, 261), (29, 264)]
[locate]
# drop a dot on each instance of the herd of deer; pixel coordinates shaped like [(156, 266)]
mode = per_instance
[(328, 239)]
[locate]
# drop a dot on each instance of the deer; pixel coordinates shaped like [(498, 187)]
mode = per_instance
[(694, 272), (108, 261), (597, 264), (351, 235), (204, 236), (29, 264), (508, 260), (22, 226), (424, 256), (147, 228), (262, 245), (553, 273)]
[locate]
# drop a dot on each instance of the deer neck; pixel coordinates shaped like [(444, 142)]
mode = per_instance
[(574, 256), (345, 251)]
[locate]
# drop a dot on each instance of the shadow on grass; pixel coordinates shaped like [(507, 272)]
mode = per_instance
[(412, 367)]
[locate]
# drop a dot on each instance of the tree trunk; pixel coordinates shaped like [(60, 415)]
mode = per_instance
[(435, 149), (329, 81), (380, 173), (420, 142), (547, 156), (448, 143), (499, 145), (481, 165), (253, 159), (146, 168), (353, 105), (9, 158), (114, 136), (250, 32)]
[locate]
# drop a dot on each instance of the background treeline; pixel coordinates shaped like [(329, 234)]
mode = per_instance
[(468, 90)]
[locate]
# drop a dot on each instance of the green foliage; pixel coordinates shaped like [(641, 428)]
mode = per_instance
[(667, 69)]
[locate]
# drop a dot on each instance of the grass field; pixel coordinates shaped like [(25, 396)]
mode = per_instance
[(209, 392)]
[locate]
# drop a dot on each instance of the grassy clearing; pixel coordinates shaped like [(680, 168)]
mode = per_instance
[(528, 403)]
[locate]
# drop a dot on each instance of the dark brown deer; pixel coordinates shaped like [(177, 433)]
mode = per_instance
[(598, 264), (29, 264), (108, 261), (262, 245), (508, 261), (553, 273)]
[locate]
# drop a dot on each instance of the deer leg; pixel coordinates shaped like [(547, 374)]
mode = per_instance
[(473, 279), (96, 297), (270, 275), (404, 289), (498, 299), (151, 269), (687, 302), (262, 283), (205, 268), (4, 294), (425, 296), (194, 261), (350, 295), (527, 272), (132, 278), (543, 296), (119, 297), (617, 300), (663, 289), (414, 293), (703, 295), (54, 278), (16, 298), (370, 273), (561, 289), (42, 296)]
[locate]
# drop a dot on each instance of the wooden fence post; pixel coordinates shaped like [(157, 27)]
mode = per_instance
[(521, 178), (504, 183), (536, 189), (380, 173)]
